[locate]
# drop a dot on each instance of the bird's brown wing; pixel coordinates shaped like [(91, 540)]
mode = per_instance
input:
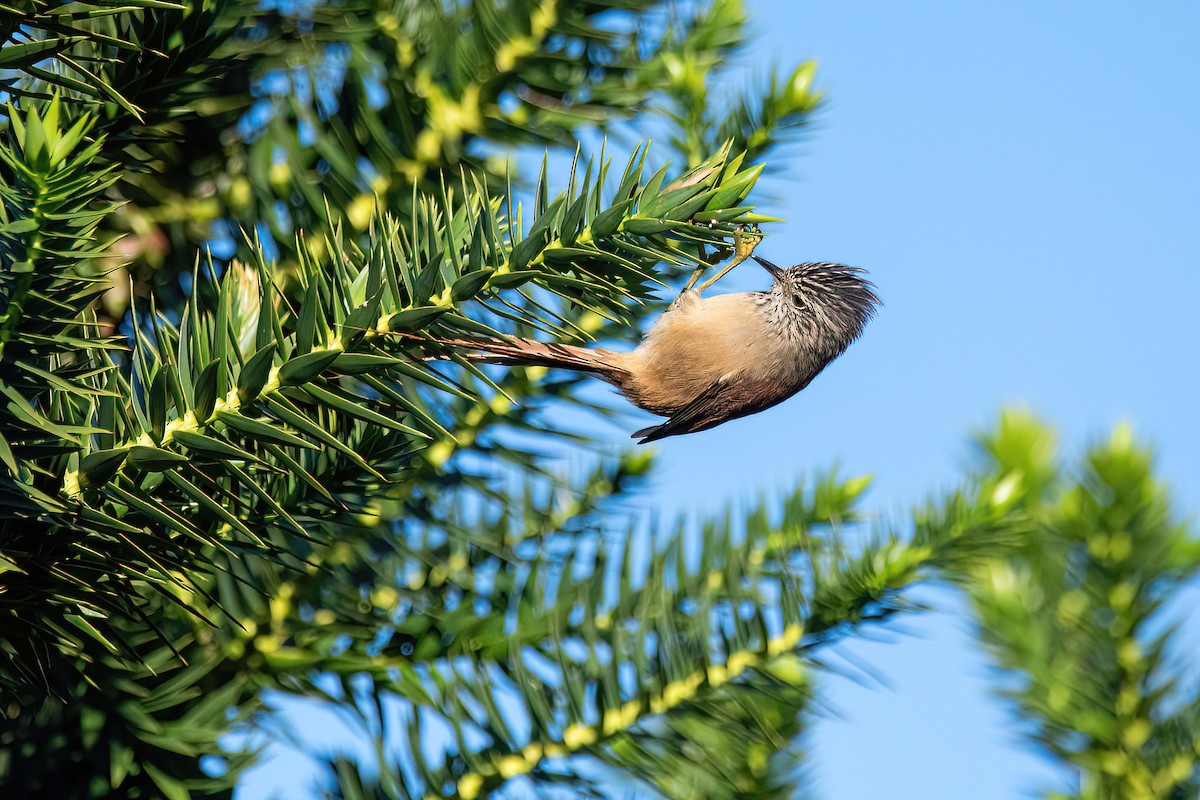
[(729, 397)]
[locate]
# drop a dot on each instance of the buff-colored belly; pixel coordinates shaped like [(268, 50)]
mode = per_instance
[(694, 344)]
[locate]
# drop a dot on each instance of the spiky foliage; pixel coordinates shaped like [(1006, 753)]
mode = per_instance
[(358, 114), (191, 470), (132, 55), (258, 479), (612, 647), (1076, 615), (269, 116), (162, 80), (53, 365), (699, 114), (252, 425)]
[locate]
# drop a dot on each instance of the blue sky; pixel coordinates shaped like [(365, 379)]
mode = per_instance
[(1022, 181)]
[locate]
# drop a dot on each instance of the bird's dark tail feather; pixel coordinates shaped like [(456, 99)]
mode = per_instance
[(648, 435)]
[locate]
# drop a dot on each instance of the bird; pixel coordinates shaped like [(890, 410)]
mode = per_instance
[(709, 360)]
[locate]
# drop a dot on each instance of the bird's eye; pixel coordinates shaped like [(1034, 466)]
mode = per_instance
[(800, 302)]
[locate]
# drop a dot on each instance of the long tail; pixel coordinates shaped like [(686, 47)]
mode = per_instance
[(527, 352)]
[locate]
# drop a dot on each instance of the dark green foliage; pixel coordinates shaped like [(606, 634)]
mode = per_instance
[(128, 731), (233, 113), (162, 488), (737, 741), (134, 494), (220, 475), (614, 648)]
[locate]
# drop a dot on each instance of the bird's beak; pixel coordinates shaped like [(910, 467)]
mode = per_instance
[(769, 267)]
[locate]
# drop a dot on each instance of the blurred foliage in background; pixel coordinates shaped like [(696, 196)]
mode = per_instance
[(1078, 614), (230, 234)]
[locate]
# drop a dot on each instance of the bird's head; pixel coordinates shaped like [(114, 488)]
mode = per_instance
[(833, 298)]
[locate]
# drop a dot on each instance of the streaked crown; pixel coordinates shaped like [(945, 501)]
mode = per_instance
[(835, 297)]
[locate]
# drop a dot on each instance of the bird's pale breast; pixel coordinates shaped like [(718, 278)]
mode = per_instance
[(696, 342)]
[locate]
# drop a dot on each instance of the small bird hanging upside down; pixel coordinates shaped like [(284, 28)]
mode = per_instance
[(709, 360)]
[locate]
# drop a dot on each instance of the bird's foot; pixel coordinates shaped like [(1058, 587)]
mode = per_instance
[(745, 239)]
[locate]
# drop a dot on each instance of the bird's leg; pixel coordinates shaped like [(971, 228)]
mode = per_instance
[(707, 261), (696, 273), (744, 243)]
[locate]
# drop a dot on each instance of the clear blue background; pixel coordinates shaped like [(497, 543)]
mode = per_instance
[(1022, 181)]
